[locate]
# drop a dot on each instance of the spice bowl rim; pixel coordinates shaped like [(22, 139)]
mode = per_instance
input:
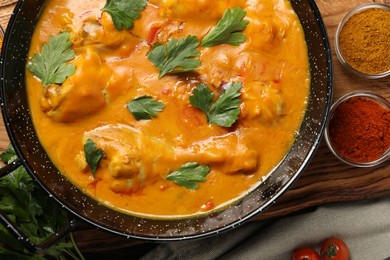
[(340, 26), (365, 94)]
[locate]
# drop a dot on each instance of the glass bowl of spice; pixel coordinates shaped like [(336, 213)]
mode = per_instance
[(358, 129), (362, 41)]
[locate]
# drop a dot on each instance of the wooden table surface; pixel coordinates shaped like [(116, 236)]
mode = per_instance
[(326, 180)]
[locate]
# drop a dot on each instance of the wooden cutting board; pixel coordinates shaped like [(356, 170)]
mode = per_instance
[(326, 180)]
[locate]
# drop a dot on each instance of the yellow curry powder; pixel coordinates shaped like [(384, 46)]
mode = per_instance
[(365, 41)]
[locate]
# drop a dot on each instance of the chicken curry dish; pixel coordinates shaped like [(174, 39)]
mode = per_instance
[(167, 108)]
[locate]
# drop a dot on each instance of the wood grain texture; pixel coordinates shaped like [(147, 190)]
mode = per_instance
[(326, 180)]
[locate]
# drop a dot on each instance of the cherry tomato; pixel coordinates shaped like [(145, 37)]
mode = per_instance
[(305, 253), (334, 249)]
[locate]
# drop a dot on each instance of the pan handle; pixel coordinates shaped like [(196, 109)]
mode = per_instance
[(27, 243), (7, 169)]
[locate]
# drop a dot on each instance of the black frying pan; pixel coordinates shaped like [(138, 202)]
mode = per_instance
[(20, 129)]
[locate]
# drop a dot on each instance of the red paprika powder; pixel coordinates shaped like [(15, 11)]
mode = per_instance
[(360, 129)]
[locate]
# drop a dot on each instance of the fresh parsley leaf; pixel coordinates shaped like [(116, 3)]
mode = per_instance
[(202, 97), (92, 155), (225, 110), (228, 29), (8, 155), (145, 107), (124, 12), (189, 175), (50, 66), (35, 214), (176, 56)]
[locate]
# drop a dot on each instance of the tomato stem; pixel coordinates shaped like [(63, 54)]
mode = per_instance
[(331, 251)]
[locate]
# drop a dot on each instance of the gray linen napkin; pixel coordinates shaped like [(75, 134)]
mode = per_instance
[(364, 226)]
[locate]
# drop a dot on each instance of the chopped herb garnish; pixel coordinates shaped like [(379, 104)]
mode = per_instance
[(189, 175), (225, 110), (92, 155), (124, 12), (176, 56), (228, 29), (50, 66), (145, 107)]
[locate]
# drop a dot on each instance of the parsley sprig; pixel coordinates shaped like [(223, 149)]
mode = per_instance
[(189, 175), (225, 110), (35, 214), (145, 107), (228, 29), (124, 12), (176, 56), (92, 155), (50, 66)]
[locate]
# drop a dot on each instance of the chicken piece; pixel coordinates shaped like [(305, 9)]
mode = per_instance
[(129, 154), (266, 33), (88, 32), (220, 65), (135, 158), (167, 30), (81, 94), (195, 9), (103, 35), (227, 152), (262, 101), (112, 37)]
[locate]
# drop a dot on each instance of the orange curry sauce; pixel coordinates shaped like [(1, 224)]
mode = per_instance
[(112, 69)]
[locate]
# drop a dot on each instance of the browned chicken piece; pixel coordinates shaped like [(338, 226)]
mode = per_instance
[(262, 102), (81, 94), (102, 35), (134, 159), (195, 9)]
